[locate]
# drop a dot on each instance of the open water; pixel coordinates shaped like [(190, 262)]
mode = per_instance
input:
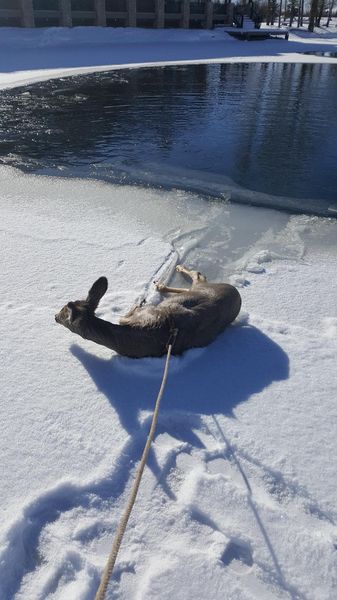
[(263, 134)]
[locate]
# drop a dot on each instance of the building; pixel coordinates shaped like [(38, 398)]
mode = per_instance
[(116, 13)]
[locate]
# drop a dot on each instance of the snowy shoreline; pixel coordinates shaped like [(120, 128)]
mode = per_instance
[(38, 54), (238, 501)]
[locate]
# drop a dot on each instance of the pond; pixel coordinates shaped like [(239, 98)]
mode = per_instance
[(263, 134)]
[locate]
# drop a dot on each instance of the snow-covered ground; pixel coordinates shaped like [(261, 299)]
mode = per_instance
[(239, 498), (28, 55)]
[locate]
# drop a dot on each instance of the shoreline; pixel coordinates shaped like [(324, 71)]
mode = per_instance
[(49, 53)]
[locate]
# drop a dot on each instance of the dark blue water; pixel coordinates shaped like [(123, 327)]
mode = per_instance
[(258, 133)]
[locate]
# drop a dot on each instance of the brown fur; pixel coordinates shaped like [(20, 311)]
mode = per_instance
[(199, 313)]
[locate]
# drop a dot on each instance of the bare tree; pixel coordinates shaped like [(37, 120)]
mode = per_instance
[(291, 10), (300, 13), (322, 5), (313, 14), (273, 11), (331, 7), (280, 14)]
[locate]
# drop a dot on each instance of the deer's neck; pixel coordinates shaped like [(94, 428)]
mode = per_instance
[(124, 339), (99, 331)]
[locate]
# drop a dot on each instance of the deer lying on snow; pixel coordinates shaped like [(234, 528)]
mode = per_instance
[(198, 314)]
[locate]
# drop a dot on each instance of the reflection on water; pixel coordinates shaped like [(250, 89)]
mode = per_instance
[(271, 128), (326, 54)]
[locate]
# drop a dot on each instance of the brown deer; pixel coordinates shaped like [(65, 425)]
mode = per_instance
[(198, 313)]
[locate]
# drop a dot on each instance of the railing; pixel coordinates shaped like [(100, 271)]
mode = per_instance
[(238, 18), (249, 10)]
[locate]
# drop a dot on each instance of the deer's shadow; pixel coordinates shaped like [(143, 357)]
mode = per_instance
[(212, 380)]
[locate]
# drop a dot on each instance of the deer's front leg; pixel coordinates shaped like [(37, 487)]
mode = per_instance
[(164, 289), (194, 275)]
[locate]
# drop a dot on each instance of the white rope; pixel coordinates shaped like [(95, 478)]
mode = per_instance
[(100, 594)]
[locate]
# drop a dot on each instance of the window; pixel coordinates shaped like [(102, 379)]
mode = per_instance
[(46, 21), (172, 6), (197, 8), (82, 5), (12, 4), (116, 5), (77, 22), (115, 23), (45, 5), (10, 22)]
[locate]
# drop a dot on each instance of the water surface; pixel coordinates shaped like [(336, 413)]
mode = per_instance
[(257, 133)]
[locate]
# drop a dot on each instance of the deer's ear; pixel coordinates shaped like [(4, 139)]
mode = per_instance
[(96, 292), (72, 312)]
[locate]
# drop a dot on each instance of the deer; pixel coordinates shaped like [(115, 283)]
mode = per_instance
[(197, 315)]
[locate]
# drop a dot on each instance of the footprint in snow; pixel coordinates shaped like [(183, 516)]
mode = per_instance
[(238, 557)]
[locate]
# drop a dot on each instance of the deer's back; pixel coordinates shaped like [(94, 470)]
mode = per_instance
[(199, 315), (211, 307)]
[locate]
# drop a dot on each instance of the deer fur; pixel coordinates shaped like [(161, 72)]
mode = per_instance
[(199, 313)]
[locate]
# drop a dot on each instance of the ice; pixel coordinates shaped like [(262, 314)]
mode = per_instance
[(239, 492)]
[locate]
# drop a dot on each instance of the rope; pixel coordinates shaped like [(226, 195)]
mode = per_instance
[(100, 594)]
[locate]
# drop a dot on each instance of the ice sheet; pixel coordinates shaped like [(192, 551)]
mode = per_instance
[(240, 489)]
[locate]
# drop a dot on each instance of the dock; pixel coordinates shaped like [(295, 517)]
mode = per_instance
[(259, 34)]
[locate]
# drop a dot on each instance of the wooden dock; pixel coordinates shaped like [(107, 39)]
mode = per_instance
[(258, 34)]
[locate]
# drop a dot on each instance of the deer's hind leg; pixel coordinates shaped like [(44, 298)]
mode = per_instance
[(194, 275)]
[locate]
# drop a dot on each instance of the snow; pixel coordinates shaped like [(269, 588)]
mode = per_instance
[(29, 55), (239, 497), (240, 489)]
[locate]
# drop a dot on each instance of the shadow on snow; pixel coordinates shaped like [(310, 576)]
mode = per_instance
[(209, 381), (213, 380)]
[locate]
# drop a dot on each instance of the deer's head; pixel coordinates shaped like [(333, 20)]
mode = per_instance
[(82, 309)]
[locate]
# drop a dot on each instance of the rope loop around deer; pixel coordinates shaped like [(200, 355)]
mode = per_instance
[(100, 594)]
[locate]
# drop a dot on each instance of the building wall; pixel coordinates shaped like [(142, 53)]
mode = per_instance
[(115, 13)]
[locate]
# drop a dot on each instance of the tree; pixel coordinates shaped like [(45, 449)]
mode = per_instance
[(291, 11), (273, 10), (320, 10), (331, 5), (300, 13), (313, 14)]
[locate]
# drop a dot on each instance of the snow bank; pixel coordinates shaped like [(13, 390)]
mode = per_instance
[(238, 499), (30, 55)]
